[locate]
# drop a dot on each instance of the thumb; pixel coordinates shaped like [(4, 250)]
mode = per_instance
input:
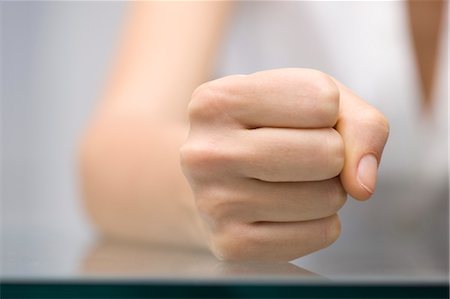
[(364, 130)]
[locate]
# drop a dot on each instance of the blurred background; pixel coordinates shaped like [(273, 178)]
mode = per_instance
[(56, 56)]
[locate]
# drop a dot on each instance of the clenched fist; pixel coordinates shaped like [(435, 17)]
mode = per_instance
[(271, 156)]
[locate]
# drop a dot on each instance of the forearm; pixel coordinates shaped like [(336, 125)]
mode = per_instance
[(167, 50), (132, 183), (129, 160)]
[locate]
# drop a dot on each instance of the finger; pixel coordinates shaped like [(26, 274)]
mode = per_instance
[(294, 98), (249, 201), (275, 241), (286, 202), (290, 155), (365, 131)]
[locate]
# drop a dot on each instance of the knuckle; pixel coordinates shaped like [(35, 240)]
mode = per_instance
[(227, 250), (336, 195), (327, 94), (326, 89), (332, 230), (203, 156), (231, 246), (203, 101), (189, 156), (217, 205), (213, 99), (336, 153)]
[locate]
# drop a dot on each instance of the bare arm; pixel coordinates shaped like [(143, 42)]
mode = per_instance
[(132, 182), (270, 155)]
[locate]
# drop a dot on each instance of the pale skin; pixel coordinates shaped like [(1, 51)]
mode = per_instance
[(266, 155), (252, 167)]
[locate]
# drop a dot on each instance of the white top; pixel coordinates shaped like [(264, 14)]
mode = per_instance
[(367, 46)]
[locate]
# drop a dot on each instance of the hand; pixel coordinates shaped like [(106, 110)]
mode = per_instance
[(266, 155)]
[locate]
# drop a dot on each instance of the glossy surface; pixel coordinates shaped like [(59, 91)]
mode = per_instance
[(58, 255)]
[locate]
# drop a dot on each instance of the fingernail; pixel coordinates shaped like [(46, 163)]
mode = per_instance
[(367, 172)]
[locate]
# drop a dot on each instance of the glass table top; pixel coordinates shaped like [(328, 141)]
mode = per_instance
[(57, 264)]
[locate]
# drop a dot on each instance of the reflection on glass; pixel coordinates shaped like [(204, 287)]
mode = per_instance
[(115, 258)]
